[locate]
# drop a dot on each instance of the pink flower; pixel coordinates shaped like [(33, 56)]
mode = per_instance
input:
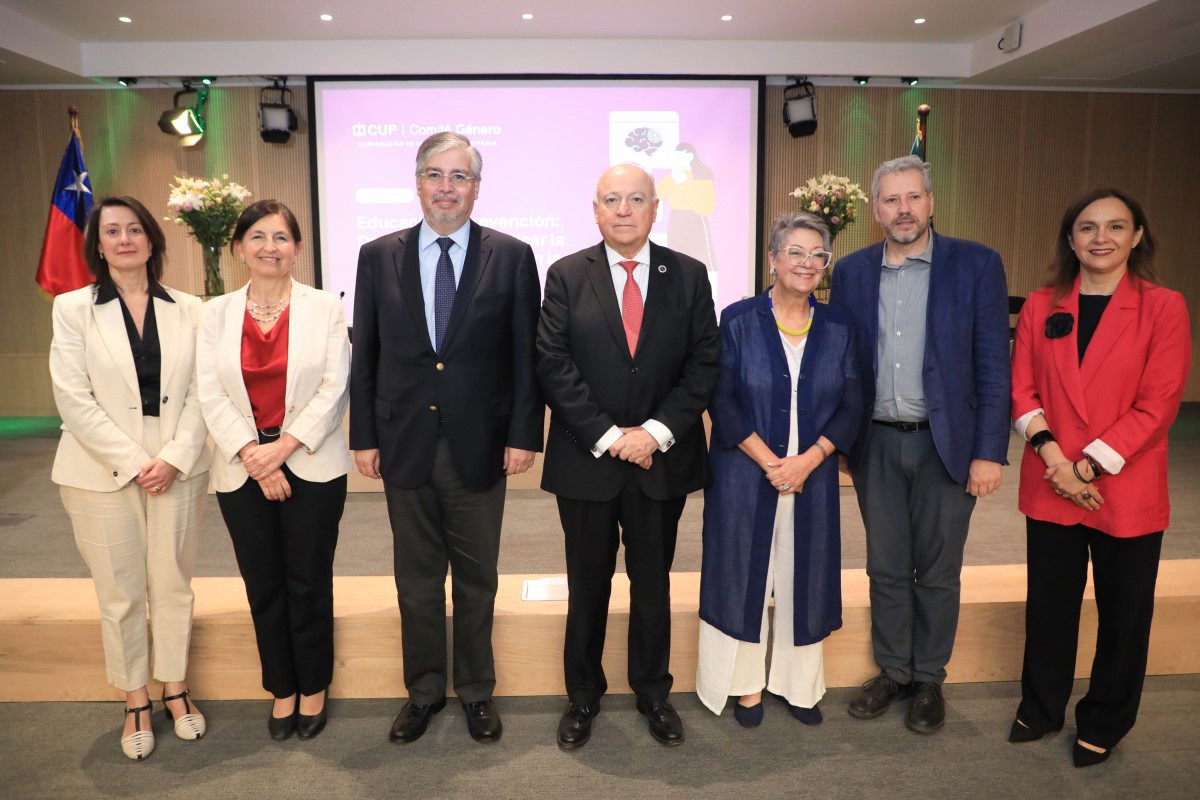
[(834, 220)]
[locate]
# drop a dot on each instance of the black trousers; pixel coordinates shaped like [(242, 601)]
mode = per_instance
[(285, 554), (444, 525), (593, 532), (1124, 572)]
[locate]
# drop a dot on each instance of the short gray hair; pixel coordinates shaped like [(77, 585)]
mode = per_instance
[(790, 221), (447, 140), (900, 165)]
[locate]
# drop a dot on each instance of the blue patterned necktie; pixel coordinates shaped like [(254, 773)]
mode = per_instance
[(443, 292)]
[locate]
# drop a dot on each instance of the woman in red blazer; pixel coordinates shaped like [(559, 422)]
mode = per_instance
[(1099, 365)]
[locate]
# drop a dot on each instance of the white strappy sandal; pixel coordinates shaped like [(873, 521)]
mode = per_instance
[(140, 743), (190, 726)]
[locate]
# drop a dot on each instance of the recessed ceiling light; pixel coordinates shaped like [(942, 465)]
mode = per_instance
[(124, 19), (919, 21), (726, 17), (527, 16), (327, 18)]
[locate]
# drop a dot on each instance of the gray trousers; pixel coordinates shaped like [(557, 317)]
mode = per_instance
[(916, 518), (437, 526)]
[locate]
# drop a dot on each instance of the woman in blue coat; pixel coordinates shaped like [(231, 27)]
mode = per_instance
[(786, 402)]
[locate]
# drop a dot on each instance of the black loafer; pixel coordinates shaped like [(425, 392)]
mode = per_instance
[(483, 721), (876, 695), (928, 711), (665, 725), (413, 719), (575, 727), (282, 728)]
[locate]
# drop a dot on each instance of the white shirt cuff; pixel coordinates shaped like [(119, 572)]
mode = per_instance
[(606, 441), (1109, 459), (1023, 423), (661, 433)]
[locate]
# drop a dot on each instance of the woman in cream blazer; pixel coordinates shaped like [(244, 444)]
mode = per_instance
[(273, 362), (132, 448)]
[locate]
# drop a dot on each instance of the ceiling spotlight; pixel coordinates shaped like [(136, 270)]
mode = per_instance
[(861, 80), (276, 118), (527, 16), (800, 108), (124, 19), (186, 122), (207, 81), (726, 17), (127, 81), (909, 81), (327, 18), (919, 21)]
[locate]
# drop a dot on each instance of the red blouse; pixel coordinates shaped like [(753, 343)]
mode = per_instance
[(264, 369)]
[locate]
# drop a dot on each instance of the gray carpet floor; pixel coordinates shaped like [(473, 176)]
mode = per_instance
[(36, 533), (65, 751)]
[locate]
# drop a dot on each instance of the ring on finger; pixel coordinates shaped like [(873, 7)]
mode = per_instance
[(1086, 495), (785, 487)]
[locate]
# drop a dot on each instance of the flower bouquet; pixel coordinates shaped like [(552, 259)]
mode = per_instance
[(835, 200), (210, 209)]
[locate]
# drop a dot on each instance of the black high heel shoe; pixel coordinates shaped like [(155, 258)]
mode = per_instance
[(309, 725), (1085, 757), (1021, 732), (282, 728)]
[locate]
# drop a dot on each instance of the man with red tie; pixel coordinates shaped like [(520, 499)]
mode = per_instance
[(627, 359)]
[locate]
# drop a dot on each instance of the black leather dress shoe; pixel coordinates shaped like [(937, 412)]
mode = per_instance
[(282, 728), (483, 721), (309, 725), (876, 695), (575, 727), (927, 714), (665, 725), (413, 719)]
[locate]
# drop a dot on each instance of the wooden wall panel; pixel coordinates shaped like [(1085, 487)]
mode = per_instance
[(1005, 165)]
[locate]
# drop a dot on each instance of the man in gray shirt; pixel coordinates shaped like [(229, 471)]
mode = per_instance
[(931, 317)]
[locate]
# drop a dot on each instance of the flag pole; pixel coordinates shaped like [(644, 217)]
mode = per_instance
[(73, 113), (923, 127)]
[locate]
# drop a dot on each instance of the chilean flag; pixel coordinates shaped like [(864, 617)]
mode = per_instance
[(61, 267)]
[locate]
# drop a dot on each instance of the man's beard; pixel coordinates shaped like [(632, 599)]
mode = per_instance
[(907, 238)]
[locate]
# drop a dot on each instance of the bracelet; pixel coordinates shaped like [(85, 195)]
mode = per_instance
[(1041, 439), (824, 452), (1075, 469), (1096, 471)]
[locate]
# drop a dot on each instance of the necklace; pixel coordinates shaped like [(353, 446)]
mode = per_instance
[(1096, 294), (267, 316), (807, 326), (268, 307)]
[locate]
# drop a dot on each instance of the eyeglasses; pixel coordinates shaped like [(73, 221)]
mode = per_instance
[(799, 257), (434, 177)]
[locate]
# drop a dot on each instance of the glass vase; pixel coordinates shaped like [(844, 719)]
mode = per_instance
[(214, 284)]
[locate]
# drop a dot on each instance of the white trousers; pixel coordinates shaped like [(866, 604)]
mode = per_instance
[(141, 550), (729, 667)]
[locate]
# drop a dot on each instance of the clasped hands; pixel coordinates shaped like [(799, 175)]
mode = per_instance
[(788, 474), (1061, 477), (636, 446), (156, 476), (264, 462)]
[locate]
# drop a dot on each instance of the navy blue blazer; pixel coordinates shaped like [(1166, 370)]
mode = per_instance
[(966, 368), (754, 395)]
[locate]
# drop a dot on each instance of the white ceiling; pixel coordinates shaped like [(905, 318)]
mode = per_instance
[(1116, 44)]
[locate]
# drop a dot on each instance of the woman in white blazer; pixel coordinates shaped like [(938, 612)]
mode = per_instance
[(132, 457), (273, 361)]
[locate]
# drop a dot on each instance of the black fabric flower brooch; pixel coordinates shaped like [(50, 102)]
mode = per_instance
[(1059, 325)]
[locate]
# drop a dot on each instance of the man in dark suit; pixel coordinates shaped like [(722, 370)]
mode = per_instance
[(931, 318), (627, 358), (443, 406)]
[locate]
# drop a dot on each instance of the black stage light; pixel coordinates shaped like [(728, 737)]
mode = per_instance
[(277, 120), (800, 108)]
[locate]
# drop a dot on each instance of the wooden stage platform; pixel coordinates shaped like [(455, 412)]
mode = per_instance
[(50, 636)]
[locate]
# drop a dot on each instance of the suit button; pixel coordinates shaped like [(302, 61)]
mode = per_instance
[(440, 366), (633, 371), (114, 474), (164, 398), (433, 408)]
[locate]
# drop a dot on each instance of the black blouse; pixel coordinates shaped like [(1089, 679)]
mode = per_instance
[(147, 356), (1091, 308)]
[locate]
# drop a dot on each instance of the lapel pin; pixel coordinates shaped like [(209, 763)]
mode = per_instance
[(662, 268)]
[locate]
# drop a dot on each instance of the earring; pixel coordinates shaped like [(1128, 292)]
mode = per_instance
[(772, 273)]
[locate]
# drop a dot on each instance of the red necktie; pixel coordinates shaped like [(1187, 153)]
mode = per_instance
[(631, 306)]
